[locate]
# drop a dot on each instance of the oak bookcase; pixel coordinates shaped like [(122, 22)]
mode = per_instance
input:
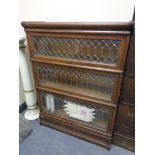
[(78, 69)]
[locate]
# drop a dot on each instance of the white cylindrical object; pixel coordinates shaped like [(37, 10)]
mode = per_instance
[(32, 111), (50, 103), (48, 106)]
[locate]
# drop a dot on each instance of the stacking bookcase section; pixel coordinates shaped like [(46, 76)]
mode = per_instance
[(77, 116), (78, 70), (85, 113), (101, 49), (97, 85), (88, 50)]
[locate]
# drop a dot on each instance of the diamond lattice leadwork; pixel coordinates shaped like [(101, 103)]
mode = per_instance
[(77, 81), (90, 50)]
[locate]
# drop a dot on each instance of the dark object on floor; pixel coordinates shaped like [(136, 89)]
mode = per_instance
[(22, 107), (24, 128)]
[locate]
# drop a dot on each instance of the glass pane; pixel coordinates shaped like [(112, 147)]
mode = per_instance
[(89, 50), (80, 111), (77, 81)]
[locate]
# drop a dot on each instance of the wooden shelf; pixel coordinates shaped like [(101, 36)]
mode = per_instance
[(88, 92)]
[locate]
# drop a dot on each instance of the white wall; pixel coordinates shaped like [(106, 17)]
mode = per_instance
[(76, 10)]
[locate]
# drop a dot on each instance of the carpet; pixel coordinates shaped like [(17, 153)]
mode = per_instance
[(46, 141)]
